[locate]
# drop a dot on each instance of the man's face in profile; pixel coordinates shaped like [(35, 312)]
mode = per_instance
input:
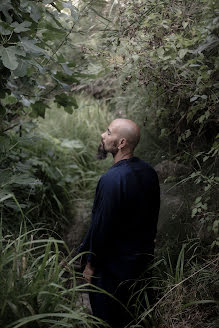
[(109, 142)]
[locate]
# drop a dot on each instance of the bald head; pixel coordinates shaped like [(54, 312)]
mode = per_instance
[(127, 129)]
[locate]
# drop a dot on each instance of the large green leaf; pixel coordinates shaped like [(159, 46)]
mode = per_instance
[(21, 70), (10, 100), (30, 47), (67, 102), (23, 27), (35, 12), (65, 78), (53, 33), (9, 58), (39, 109), (5, 5)]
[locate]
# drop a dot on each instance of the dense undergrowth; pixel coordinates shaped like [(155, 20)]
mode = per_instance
[(184, 291), (158, 63), (38, 283), (47, 179), (166, 61), (43, 268), (54, 164)]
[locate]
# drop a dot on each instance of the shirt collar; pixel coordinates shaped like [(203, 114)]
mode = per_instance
[(124, 161)]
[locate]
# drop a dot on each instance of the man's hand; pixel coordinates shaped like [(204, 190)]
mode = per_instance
[(88, 272)]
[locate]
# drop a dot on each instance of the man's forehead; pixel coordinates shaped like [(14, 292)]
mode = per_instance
[(112, 129), (113, 125)]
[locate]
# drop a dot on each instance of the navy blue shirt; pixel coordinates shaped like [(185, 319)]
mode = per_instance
[(125, 213)]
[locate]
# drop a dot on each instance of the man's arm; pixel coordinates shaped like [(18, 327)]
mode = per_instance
[(104, 217), (85, 245)]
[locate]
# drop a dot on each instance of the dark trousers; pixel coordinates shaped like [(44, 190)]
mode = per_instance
[(110, 310)]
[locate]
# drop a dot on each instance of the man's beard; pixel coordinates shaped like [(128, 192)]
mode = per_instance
[(101, 152)]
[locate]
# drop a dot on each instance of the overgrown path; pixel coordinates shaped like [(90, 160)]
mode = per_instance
[(155, 62)]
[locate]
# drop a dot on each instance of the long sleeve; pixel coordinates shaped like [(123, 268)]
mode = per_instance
[(104, 213)]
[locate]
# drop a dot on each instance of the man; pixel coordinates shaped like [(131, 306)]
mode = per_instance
[(124, 222)]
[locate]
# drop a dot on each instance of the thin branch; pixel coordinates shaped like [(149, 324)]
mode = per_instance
[(11, 127), (63, 41), (54, 5)]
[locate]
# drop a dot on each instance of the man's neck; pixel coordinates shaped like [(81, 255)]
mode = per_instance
[(119, 156)]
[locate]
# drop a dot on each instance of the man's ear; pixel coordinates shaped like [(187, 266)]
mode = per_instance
[(122, 143)]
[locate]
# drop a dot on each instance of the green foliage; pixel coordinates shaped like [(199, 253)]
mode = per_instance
[(34, 69), (38, 283), (28, 60), (32, 189), (46, 169), (78, 135), (170, 50), (184, 290), (163, 57), (67, 102), (205, 205)]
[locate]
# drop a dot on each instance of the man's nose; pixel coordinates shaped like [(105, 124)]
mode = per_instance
[(102, 135)]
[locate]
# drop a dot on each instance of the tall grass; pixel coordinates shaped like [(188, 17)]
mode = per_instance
[(78, 136), (38, 284), (185, 291), (71, 141)]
